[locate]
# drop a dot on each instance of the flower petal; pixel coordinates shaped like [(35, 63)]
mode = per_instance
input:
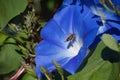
[(67, 2), (64, 19), (46, 52), (102, 29), (53, 33), (115, 24), (89, 37), (76, 61), (45, 48), (101, 11), (85, 25), (70, 2)]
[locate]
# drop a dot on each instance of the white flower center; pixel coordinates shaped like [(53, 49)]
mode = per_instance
[(74, 47)]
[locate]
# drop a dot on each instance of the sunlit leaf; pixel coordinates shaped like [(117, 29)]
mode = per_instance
[(9, 9), (110, 42)]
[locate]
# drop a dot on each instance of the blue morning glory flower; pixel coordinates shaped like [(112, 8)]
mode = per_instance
[(66, 38), (109, 16)]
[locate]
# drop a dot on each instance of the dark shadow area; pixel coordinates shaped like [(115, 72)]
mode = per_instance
[(110, 55), (46, 13), (58, 77)]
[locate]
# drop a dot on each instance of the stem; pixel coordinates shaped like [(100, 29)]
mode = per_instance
[(47, 76), (62, 77), (19, 72), (113, 10), (110, 3), (105, 6)]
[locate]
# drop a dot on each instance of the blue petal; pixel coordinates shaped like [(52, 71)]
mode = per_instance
[(64, 19), (38, 72), (115, 24), (107, 15), (46, 52), (106, 28), (117, 38), (116, 4), (46, 48), (67, 21), (98, 9), (103, 29), (60, 27), (89, 37), (76, 61), (69, 2), (89, 3), (112, 19), (53, 33), (85, 25)]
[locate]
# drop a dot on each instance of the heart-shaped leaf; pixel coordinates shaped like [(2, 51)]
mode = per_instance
[(110, 42), (9, 58), (9, 9)]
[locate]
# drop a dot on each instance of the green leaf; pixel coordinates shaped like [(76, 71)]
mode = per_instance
[(110, 42), (28, 77), (9, 9), (2, 38), (97, 68), (51, 4), (118, 78), (9, 58), (43, 23)]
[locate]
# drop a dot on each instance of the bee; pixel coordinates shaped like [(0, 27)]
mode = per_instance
[(71, 37)]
